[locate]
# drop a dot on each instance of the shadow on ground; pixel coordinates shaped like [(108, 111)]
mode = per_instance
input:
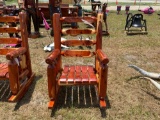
[(5, 93), (26, 99), (79, 97)]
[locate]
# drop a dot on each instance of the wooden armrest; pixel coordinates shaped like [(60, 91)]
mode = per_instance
[(13, 54), (102, 57), (52, 58)]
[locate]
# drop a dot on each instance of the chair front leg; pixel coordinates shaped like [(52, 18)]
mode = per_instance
[(103, 75), (51, 73), (102, 70), (13, 76)]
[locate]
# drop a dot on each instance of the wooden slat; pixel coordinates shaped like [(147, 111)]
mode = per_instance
[(77, 53), (66, 69), (75, 32), (78, 78), (9, 19), (85, 78), (78, 19), (10, 40), (4, 51), (72, 69), (3, 70), (63, 78), (70, 79), (90, 69), (78, 68), (78, 75), (78, 42), (91, 74), (9, 30), (92, 78), (64, 74), (84, 69)]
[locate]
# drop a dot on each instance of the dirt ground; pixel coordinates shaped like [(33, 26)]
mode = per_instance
[(128, 96)]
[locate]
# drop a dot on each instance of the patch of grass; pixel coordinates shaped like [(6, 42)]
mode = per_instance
[(129, 96)]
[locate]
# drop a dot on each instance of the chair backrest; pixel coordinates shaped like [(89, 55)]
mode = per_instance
[(57, 25), (21, 29)]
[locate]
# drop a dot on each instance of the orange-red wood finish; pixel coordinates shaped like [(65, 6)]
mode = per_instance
[(77, 74), (18, 69)]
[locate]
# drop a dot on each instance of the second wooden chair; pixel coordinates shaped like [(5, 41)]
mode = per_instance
[(79, 74)]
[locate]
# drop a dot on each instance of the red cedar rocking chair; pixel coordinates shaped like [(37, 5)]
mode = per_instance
[(18, 69), (77, 74)]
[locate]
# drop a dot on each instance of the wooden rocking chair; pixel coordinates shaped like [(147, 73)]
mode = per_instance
[(77, 74), (18, 69)]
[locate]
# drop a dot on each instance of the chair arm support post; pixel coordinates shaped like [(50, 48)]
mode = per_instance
[(53, 57), (103, 82), (13, 54), (13, 76), (102, 70)]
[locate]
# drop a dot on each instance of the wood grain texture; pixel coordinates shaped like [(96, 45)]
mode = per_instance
[(77, 74), (18, 69)]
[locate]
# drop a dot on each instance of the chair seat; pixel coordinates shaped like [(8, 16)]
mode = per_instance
[(4, 70), (78, 74)]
